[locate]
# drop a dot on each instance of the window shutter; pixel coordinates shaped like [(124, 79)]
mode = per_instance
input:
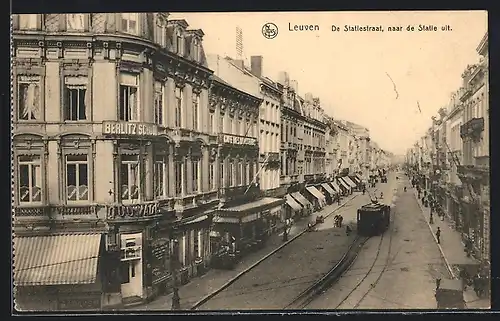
[(15, 22), (62, 22)]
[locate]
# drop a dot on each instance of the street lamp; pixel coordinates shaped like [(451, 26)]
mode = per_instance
[(176, 301)]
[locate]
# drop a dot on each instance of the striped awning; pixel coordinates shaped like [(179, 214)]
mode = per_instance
[(293, 203), (316, 193), (301, 199), (335, 187), (343, 183), (359, 177), (328, 189), (56, 259), (349, 181)]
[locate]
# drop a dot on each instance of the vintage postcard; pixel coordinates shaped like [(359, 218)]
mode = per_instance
[(248, 161)]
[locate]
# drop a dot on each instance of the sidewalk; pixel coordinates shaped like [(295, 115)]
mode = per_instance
[(452, 250), (200, 287)]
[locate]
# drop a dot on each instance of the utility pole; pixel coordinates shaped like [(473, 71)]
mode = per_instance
[(174, 263)]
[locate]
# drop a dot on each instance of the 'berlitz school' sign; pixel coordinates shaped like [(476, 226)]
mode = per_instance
[(129, 128)]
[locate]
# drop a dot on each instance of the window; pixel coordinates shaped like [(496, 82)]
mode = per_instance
[(222, 182), (130, 177), (129, 97), (247, 174), (28, 21), (222, 122), (196, 103), (196, 175), (211, 176), (242, 174), (184, 176), (230, 130), (160, 32), (160, 176), (230, 175), (178, 107), (75, 98), (179, 42), (238, 174), (130, 23), (158, 103), (75, 22), (29, 102), (211, 124), (178, 178), (77, 178), (30, 179), (196, 49)]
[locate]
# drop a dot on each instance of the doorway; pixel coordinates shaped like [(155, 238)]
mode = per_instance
[(131, 265)]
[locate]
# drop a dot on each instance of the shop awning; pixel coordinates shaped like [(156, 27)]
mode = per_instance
[(355, 179), (293, 203), (343, 183), (359, 177), (349, 181), (262, 204), (335, 187), (301, 199), (328, 189), (56, 259), (316, 193)]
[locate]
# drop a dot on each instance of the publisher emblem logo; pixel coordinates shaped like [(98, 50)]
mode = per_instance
[(270, 30)]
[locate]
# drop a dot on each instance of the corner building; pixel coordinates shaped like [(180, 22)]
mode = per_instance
[(112, 152)]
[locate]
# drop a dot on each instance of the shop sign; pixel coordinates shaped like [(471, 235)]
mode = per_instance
[(238, 140), (129, 128), (132, 211), (160, 263)]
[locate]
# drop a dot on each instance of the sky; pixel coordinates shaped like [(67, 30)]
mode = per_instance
[(356, 74)]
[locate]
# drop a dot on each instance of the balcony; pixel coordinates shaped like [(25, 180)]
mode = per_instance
[(229, 139), (56, 212), (472, 128), (237, 193), (270, 157)]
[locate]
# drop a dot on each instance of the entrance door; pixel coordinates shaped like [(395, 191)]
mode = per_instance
[(132, 278), (131, 265)]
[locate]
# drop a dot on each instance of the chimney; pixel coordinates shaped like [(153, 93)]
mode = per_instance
[(256, 66), (239, 63), (295, 85), (284, 79)]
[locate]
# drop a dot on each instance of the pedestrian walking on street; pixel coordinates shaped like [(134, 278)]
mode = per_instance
[(438, 235), (405, 188), (340, 220), (431, 220)]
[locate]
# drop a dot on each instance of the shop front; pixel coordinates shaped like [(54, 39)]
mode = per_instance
[(306, 205), (344, 186), (316, 197), (336, 188), (61, 272), (292, 208), (246, 227), (349, 182), (330, 194)]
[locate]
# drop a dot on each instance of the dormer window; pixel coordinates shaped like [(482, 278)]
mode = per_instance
[(130, 23), (179, 42), (196, 49), (160, 32), (75, 22)]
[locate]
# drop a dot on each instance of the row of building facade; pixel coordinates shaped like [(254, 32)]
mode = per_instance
[(113, 192), (452, 158)]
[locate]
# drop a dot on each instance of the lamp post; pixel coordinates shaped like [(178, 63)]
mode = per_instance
[(176, 301)]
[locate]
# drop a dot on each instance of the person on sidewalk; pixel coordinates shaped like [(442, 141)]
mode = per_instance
[(338, 201), (340, 220), (438, 235), (404, 188), (431, 219)]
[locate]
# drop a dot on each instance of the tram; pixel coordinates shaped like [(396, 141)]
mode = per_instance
[(373, 218)]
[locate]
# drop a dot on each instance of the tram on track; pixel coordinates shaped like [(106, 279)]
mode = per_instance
[(373, 219)]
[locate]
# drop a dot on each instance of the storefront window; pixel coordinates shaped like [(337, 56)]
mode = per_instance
[(30, 179), (130, 177)]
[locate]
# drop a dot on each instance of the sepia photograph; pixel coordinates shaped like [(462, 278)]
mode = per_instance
[(225, 161)]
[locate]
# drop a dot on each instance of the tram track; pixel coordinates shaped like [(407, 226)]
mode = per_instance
[(206, 299), (317, 288)]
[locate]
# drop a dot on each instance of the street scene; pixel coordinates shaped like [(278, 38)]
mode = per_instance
[(164, 162)]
